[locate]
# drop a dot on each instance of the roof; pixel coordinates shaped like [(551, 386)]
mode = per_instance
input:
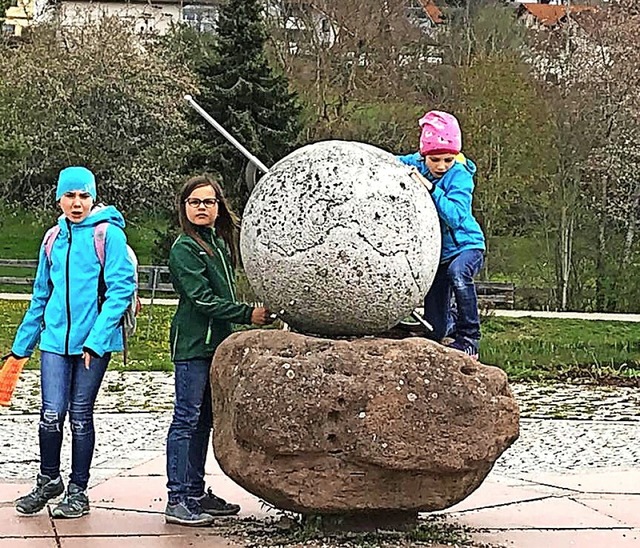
[(550, 15), (432, 11)]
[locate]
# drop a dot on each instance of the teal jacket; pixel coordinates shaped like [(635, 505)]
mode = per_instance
[(453, 195), (64, 314), (207, 307)]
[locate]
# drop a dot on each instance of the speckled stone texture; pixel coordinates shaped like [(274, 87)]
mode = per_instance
[(340, 240), (322, 426)]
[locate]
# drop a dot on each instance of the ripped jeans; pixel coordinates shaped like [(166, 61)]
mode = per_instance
[(67, 386)]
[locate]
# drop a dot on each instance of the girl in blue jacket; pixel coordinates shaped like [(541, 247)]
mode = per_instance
[(75, 314), (450, 175)]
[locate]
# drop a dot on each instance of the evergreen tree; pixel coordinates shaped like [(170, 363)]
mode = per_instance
[(244, 94)]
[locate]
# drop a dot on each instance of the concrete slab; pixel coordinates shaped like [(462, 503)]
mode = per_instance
[(562, 539), (28, 543), (190, 539), (11, 491), (551, 513), (495, 493), (140, 493), (597, 481), (623, 508), (107, 522), (13, 524), (157, 466)]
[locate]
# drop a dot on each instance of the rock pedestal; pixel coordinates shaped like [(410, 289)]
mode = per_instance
[(360, 426)]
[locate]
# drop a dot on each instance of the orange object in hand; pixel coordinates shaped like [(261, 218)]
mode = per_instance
[(9, 375)]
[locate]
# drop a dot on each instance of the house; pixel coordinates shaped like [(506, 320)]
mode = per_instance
[(18, 17), (425, 14), (145, 15), (548, 15), (296, 18)]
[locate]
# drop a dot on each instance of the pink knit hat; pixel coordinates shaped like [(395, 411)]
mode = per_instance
[(440, 133)]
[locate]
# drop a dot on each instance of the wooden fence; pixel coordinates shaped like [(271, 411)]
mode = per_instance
[(155, 279)]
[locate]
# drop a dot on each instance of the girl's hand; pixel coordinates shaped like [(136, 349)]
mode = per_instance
[(418, 177), (87, 359), (260, 316)]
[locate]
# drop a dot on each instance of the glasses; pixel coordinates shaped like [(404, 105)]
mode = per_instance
[(197, 202)]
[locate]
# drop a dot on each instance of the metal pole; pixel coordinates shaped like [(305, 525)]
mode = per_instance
[(226, 134)]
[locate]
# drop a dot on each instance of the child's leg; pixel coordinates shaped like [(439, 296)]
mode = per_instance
[(85, 385), (55, 381), (461, 272), (437, 303), (190, 383)]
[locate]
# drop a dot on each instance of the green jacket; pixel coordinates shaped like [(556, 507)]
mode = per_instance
[(207, 306)]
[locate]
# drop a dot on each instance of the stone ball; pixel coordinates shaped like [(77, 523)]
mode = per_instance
[(338, 239)]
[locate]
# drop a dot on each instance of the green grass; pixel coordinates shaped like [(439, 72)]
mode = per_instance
[(148, 348), (540, 348), (526, 348), (22, 233)]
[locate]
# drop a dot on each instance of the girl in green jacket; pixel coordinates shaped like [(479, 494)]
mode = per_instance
[(201, 263)]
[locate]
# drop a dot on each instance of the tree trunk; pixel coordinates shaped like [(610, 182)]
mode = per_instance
[(601, 259), (565, 255), (630, 235)]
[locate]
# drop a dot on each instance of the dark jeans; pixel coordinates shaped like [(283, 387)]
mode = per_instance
[(67, 386), (188, 438), (455, 278)]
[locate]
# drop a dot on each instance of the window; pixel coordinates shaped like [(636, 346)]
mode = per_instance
[(202, 18), (8, 29)]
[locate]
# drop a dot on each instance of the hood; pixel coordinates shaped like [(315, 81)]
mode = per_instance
[(469, 165)]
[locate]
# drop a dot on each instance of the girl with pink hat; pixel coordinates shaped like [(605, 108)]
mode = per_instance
[(440, 161)]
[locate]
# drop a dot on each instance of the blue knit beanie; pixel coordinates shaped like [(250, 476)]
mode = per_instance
[(76, 178)]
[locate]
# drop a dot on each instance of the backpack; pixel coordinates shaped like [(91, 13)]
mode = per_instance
[(129, 318)]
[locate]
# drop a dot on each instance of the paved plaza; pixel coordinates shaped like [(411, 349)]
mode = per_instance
[(571, 480)]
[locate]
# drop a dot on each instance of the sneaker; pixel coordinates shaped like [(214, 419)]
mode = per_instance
[(215, 506), (75, 503), (45, 490), (188, 513), (462, 345)]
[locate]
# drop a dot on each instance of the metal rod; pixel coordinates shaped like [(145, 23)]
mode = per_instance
[(226, 134), (416, 316)]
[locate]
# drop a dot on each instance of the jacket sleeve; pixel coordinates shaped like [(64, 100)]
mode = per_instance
[(31, 327), (189, 272), (453, 198), (414, 160), (120, 282)]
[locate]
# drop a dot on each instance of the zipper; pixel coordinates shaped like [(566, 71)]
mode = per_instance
[(226, 270), (453, 237), (207, 339), (68, 292), (174, 345)]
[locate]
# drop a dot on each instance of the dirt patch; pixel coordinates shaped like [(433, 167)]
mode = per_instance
[(287, 531)]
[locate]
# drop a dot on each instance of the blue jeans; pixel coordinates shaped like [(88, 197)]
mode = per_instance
[(189, 433), (67, 386), (455, 278)]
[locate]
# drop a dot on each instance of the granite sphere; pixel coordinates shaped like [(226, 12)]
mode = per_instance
[(339, 240)]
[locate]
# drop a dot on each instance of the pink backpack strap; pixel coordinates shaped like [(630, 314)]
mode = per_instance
[(49, 238), (99, 239)]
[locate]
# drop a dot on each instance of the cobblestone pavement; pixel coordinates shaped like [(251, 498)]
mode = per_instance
[(592, 427)]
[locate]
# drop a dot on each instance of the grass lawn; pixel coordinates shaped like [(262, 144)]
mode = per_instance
[(526, 348), (22, 233)]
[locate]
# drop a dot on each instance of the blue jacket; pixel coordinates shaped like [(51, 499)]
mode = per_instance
[(63, 314), (452, 195)]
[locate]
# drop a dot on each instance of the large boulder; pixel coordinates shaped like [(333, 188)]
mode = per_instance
[(345, 426), (339, 239)]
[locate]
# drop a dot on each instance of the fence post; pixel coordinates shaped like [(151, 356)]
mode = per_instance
[(154, 282)]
